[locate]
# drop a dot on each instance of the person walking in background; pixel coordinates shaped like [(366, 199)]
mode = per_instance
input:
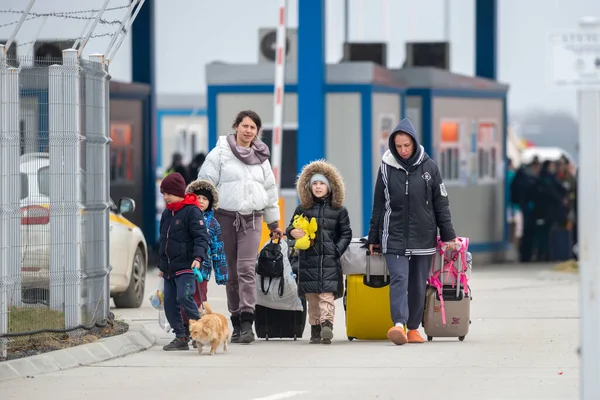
[(195, 166), (523, 192), (177, 166), (410, 204), (239, 168)]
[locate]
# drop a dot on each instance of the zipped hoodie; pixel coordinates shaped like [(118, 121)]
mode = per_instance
[(183, 236), (410, 201)]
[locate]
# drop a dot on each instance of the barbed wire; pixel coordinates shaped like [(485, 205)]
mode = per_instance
[(65, 15), (98, 35)]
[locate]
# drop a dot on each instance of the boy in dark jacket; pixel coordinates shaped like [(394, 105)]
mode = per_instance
[(321, 191), (184, 244)]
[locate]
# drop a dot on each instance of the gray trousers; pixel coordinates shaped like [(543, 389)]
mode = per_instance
[(241, 238), (408, 281)]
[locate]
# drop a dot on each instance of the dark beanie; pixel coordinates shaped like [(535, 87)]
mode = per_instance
[(173, 184), (208, 194)]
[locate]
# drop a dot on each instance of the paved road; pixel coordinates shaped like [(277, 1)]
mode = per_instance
[(522, 345)]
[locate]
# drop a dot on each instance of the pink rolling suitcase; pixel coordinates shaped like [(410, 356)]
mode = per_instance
[(448, 300)]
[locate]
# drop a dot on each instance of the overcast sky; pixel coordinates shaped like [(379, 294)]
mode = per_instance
[(191, 33)]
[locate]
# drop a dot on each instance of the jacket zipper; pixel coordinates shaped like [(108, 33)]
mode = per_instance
[(321, 247), (167, 244), (406, 211)]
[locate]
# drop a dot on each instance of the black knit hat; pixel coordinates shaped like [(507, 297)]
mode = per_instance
[(173, 184), (208, 194)]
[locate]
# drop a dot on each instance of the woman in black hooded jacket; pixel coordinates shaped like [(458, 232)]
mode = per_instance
[(321, 192), (410, 204)]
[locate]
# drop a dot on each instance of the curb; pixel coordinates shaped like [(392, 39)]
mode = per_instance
[(130, 342)]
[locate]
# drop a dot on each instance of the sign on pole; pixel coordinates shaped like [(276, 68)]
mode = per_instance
[(575, 57)]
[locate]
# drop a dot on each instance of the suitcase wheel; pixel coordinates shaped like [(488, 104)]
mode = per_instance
[(351, 338), (429, 338), (295, 337), (461, 338), (267, 337)]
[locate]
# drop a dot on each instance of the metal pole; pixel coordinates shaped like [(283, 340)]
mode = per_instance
[(94, 24), (16, 30), (125, 30), (37, 34), (447, 20), (84, 30), (279, 92), (346, 20), (589, 237), (123, 22)]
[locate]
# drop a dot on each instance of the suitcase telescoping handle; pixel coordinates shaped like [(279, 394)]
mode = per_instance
[(386, 275), (459, 269)]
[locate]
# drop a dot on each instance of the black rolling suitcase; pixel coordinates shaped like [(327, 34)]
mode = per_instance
[(270, 323)]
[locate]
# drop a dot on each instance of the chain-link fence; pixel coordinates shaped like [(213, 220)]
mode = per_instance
[(54, 192)]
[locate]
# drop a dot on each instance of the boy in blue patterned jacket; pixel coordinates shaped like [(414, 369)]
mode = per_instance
[(208, 199), (207, 202)]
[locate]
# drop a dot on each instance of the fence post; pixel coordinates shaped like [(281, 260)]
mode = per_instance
[(55, 150), (11, 127), (97, 195), (10, 191), (73, 188), (65, 189)]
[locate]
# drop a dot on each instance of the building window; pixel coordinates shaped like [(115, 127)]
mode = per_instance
[(487, 151), (289, 170), (449, 154), (121, 153)]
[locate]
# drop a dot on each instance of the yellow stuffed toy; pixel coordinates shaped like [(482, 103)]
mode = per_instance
[(309, 229)]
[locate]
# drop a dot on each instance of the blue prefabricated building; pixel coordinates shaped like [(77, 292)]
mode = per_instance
[(360, 96), (463, 123), (461, 120)]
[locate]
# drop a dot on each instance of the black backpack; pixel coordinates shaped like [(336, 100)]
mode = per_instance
[(270, 265)]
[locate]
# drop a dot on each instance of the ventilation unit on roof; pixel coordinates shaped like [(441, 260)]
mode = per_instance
[(428, 54), (267, 44), (374, 52), (48, 52)]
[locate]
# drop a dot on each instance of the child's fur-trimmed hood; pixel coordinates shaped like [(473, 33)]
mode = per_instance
[(201, 184), (336, 183)]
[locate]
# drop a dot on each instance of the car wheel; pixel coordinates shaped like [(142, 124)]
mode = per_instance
[(133, 297)]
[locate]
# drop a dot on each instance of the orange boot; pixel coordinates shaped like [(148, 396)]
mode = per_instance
[(397, 335), (414, 336)]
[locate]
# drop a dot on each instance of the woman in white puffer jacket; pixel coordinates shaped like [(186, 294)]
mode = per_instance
[(239, 168)]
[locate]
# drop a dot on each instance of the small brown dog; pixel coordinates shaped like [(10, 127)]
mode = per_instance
[(212, 328)]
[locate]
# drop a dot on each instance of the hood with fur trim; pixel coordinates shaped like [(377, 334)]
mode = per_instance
[(336, 184), (201, 184)]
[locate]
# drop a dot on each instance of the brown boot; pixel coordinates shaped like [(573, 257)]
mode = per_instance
[(397, 335), (414, 336)]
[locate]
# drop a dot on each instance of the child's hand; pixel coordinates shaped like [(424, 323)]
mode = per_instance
[(297, 233), (196, 264), (160, 274)]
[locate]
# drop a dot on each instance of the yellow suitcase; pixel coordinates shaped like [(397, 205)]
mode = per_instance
[(367, 306)]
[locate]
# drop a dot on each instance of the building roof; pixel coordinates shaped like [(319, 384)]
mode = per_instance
[(431, 77), (218, 73)]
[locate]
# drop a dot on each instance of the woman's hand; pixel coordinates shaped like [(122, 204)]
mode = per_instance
[(160, 274), (374, 249), (454, 244), (276, 233), (297, 233)]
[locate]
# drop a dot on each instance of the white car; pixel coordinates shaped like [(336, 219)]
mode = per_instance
[(128, 250)]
